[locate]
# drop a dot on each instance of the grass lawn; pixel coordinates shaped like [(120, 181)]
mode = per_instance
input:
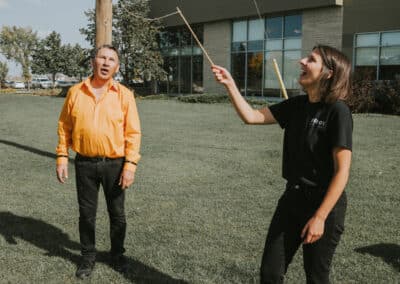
[(205, 191)]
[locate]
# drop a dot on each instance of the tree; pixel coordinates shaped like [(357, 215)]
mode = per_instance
[(52, 57), (76, 60), (135, 37), (18, 44), (47, 57), (3, 72)]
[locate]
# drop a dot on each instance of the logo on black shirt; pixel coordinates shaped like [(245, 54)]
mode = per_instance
[(317, 123)]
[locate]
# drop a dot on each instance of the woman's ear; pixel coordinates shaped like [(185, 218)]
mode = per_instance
[(330, 74)]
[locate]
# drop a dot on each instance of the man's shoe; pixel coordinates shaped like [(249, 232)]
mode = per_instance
[(85, 268), (120, 263)]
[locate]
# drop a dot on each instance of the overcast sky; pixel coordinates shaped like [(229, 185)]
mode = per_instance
[(65, 17)]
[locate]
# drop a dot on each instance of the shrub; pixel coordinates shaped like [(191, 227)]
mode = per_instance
[(376, 96), (204, 98), (218, 98)]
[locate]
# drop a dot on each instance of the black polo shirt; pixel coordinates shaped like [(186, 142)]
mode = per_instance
[(312, 131)]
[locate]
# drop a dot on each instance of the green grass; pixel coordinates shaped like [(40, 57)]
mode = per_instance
[(205, 191)]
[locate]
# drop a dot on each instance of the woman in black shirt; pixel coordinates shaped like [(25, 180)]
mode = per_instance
[(316, 164)]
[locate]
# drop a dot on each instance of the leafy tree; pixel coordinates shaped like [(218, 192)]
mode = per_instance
[(135, 36), (76, 60), (53, 57), (3, 72), (47, 57), (18, 44)]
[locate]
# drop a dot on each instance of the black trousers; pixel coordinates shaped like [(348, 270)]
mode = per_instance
[(90, 174), (296, 206)]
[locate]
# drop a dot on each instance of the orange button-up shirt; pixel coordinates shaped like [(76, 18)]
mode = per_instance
[(107, 127)]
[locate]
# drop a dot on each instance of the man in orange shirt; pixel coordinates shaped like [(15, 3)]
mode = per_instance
[(100, 122)]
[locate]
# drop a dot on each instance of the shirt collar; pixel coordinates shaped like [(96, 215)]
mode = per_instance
[(112, 85)]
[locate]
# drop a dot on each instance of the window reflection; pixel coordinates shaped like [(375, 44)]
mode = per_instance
[(377, 55), (256, 43), (183, 60), (274, 27)]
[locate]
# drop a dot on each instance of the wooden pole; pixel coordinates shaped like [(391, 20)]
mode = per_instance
[(103, 22), (278, 74)]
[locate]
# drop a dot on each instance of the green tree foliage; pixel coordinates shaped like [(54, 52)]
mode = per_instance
[(18, 44), (3, 72), (52, 57), (76, 60), (47, 57), (135, 36)]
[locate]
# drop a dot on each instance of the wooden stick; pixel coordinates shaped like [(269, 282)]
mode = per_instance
[(278, 74), (195, 37)]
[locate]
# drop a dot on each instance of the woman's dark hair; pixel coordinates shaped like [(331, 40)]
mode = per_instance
[(338, 86), (109, 46)]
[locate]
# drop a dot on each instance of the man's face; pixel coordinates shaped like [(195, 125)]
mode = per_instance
[(105, 64)]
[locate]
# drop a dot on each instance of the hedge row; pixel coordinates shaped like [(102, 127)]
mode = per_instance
[(376, 97)]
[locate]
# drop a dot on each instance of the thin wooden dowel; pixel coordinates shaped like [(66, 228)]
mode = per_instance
[(195, 37), (278, 74)]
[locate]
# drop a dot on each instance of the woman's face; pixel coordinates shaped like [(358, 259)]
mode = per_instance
[(311, 69)]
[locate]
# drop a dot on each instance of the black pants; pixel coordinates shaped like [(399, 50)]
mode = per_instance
[(296, 206), (90, 173)]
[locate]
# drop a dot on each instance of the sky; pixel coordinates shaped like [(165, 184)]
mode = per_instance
[(65, 17)]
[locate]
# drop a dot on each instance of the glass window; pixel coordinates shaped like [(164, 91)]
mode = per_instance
[(274, 27), (255, 45), (291, 69), (254, 73), (239, 46), (185, 74), (239, 31), (252, 54), (256, 30), (238, 63), (293, 43), (271, 81), (197, 85), (390, 55), (197, 50), (185, 37), (367, 56), (183, 60), (171, 66), (389, 72), (392, 38), (367, 40), (293, 26), (198, 30), (276, 44), (186, 50), (169, 38)]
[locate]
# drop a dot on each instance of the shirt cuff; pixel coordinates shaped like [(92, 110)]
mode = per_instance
[(62, 160), (130, 166)]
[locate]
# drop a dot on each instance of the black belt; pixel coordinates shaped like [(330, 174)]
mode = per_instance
[(302, 186), (79, 157)]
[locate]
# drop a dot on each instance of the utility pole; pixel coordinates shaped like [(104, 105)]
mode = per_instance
[(103, 22)]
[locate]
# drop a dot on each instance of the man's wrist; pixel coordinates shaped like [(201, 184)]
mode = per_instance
[(131, 162), (130, 166)]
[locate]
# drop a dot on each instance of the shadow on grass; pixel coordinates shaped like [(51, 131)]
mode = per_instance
[(57, 243), (390, 253), (31, 149)]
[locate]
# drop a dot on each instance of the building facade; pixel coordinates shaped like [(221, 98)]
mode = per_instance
[(245, 35)]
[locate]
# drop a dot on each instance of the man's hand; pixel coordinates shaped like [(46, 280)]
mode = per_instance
[(62, 172), (126, 179), (313, 230)]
